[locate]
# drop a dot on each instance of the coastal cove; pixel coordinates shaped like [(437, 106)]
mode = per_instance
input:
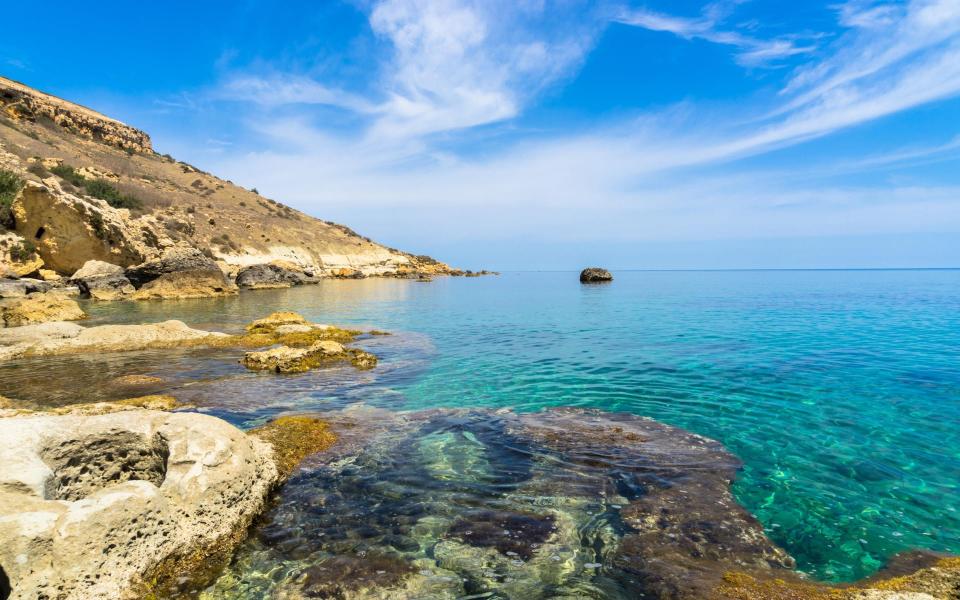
[(836, 389)]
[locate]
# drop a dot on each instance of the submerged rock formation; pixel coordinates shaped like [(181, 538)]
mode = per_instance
[(595, 275), (566, 503)]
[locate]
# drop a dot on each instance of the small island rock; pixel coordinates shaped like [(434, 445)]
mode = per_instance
[(595, 275)]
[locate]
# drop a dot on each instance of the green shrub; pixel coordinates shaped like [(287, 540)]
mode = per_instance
[(68, 174), (23, 251), (10, 184), (98, 188)]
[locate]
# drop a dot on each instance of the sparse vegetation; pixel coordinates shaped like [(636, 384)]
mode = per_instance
[(39, 170), (10, 184), (98, 188), (23, 251)]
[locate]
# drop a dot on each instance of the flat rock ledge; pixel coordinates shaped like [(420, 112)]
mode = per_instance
[(39, 308), (128, 504), (61, 337)]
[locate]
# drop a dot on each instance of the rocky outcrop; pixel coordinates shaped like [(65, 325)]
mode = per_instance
[(176, 202), (24, 103), (284, 359), (595, 275), (92, 506), (181, 271), (54, 338), (271, 276), (70, 230), (102, 281), (39, 308), (19, 288)]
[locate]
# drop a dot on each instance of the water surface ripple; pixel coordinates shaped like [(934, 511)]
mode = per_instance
[(840, 390)]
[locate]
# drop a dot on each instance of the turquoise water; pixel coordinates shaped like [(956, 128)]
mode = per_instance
[(840, 390)]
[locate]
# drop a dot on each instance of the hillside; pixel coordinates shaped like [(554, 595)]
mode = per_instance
[(88, 187)]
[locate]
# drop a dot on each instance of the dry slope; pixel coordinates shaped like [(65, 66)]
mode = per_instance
[(95, 189)]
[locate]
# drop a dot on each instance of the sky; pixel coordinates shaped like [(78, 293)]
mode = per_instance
[(536, 134)]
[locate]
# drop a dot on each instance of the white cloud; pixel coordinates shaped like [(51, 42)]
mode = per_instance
[(457, 64), (753, 51)]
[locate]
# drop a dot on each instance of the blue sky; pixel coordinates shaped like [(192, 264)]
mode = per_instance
[(530, 134)]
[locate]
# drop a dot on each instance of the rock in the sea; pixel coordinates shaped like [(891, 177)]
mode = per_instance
[(182, 271), (39, 308), (97, 507), (267, 276), (595, 275), (102, 281), (284, 359), (54, 338)]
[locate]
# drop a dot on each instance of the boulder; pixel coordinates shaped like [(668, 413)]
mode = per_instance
[(98, 507), (176, 259), (189, 284), (269, 276), (181, 271), (102, 281), (18, 288), (39, 308), (595, 275)]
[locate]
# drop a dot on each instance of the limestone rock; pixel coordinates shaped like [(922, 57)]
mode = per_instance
[(21, 102), (284, 359), (269, 276), (102, 281), (595, 275), (189, 284), (69, 230), (273, 320), (181, 271), (54, 338), (39, 308), (94, 507)]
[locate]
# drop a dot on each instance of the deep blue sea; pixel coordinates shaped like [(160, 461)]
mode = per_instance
[(839, 390)]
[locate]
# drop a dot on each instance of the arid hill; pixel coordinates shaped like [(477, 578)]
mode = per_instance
[(76, 185)]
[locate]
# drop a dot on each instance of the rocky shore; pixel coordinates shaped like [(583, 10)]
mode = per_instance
[(129, 500)]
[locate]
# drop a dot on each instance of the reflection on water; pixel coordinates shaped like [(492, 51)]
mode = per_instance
[(839, 390)]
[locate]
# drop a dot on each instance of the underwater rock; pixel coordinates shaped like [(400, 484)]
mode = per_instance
[(595, 275), (565, 503), (293, 438), (39, 308), (106, 506)]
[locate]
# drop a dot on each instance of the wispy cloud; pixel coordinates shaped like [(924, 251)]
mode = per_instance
[(752, 51), (454, 65)]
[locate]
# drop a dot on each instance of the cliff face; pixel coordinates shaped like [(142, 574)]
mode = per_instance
[(94, 189)]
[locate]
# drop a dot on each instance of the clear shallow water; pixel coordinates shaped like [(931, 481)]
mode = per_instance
[(840, 390)]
